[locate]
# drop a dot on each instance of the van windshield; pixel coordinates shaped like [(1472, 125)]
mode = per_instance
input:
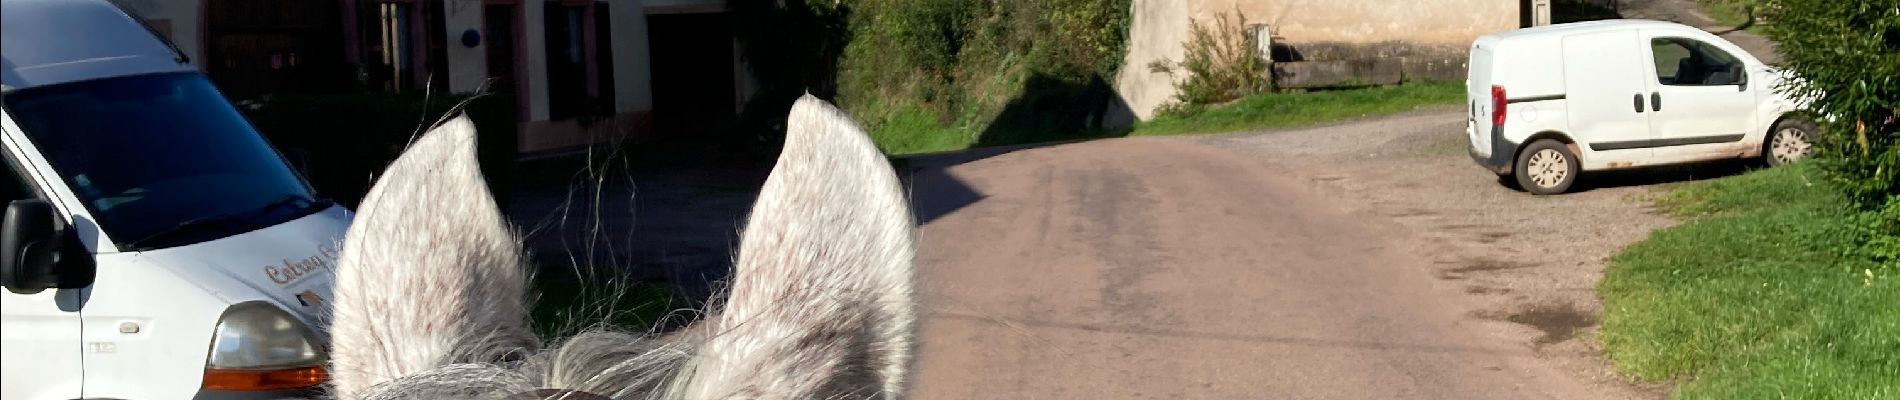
[(161, 160)]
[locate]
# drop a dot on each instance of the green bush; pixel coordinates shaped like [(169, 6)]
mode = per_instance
[(1882, 228), (1845, 57), (956, 66), (1221, 64)]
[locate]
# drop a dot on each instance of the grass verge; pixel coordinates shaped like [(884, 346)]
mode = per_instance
[(1754, 298), (1283, 110), (910, 130)]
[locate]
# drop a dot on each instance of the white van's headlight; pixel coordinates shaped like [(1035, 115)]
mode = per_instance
[(258, 346)]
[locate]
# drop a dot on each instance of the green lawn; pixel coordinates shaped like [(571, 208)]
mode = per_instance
[(568, 305), (910, 130), (1754, 298), (1284, 110)]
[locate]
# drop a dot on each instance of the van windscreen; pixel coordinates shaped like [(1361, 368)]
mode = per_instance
[(161, 160)]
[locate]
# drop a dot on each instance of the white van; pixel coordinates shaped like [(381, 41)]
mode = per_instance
[(154, 246), (1549, 102)]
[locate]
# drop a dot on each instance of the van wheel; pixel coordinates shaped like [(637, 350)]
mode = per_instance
[(1546, 167), (1792, 140)]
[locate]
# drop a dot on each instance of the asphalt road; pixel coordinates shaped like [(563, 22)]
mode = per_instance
[(1184, 268)]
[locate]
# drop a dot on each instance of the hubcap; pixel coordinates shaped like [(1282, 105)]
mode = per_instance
[(1789, 145), (1547, 168)]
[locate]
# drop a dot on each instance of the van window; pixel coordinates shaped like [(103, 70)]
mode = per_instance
[(161, 160), (1689, 62)]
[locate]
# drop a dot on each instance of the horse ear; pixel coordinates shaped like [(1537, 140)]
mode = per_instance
[(430, 274), (820, 304)]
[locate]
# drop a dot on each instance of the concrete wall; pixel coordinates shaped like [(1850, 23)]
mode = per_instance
[(534, 49), (1371, 21), (180, 19), (468, 66), (1436, 31), (1157, 32), (633, 73)]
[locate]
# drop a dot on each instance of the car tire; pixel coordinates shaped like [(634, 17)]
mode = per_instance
[(1546, 167), (1790, 141)]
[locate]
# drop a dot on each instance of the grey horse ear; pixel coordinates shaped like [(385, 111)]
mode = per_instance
[(430, 273), (820, 304)]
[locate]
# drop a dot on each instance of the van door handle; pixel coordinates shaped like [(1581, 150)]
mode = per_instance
[(1639, 103), (1655, 101)]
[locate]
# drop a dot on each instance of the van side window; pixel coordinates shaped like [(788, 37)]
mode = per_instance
[(1688, 62)]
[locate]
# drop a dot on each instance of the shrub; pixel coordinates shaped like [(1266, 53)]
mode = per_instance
[(1883, 227), (961, 63), (1845, 57), (1222, 64)]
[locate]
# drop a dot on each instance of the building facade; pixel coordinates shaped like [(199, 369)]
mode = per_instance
[(579, 72)]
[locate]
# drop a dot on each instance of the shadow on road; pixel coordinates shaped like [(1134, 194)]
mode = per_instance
[(1658, 175), (1663, 174), (1047, 111), (673, 215), (1050, 109)]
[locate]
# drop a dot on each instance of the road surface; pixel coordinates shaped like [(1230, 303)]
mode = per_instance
[(1356, 261)]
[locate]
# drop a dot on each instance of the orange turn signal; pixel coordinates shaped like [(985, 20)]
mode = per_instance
[(271, 379)]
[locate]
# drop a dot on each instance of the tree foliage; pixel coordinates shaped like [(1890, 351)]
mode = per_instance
[(1845, 58)]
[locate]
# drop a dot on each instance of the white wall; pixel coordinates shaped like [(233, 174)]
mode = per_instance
[(534, 42), (183, 17), (1158, 32), (468, 66), (633, 72)]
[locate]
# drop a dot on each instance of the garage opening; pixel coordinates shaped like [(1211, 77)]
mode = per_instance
[(694, 65), (256, 47)]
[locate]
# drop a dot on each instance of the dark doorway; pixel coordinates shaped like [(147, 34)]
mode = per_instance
[(603, 59), (693, 70), (1567, 11), (1526, 13), (437, 44), (567, 53), (498, 33), (256, 47)]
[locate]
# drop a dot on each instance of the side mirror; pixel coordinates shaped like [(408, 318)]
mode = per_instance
[(1740, 72), (34, 247)]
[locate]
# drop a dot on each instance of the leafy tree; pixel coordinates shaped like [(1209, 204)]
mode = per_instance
[(1845, 57)]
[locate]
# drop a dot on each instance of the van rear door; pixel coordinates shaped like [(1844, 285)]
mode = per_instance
[(1478, 96), (1607, 87)]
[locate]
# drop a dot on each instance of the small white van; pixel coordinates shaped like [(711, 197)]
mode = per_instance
[(153, 244), (1548, 103)]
